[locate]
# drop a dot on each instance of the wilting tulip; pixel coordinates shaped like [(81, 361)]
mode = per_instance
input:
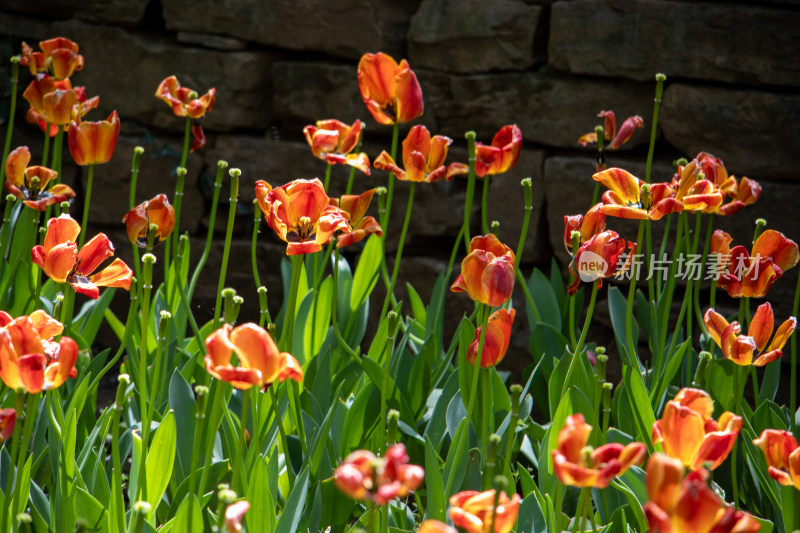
[(363, 476), (59, 56), (688, 505), (390, 91), (487, 273), (332, 141), (423, 158), (474, 511), (156, 211), (260, 361), (610, 133), (8, 419), (576, 465), (590, 225), (301, 214), (495, 343), (744, 193), (688, 433), (56, 102), (234, 514), (29, 184), (599, 258), (501, 155), (186, 103), (60, 259), (30, 358), (751, 275), (782, 455), (693, 193), (93, 143), (624, 198), (434, 526), (751, 348), (361, 226)]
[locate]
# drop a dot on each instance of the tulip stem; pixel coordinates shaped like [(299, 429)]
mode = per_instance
[(328, 177), (352, 175), (237, 464), (187, 133), (212, 218), (399, 255), (484, 313), (738, 390), (233, 200), (31, 412), (580, 510), (631, 293), (284, 445), (11, 111), (390, 185), (470, 135), (46, 149), (573, 364), (86, 202), (487, 403), (485, 206), (287, 332), (177, 205), (254, 243), (660, 79), (703, 258), (335, 309), (294, 400)]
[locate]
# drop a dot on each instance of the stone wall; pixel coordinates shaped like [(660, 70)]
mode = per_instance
[(549, 66)]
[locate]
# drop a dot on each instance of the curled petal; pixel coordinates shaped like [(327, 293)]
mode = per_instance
[(761, 326), (630, 125), (623, 183), (783, 251), (715, 325)]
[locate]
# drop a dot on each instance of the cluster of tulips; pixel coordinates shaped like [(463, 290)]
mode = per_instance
[(219, 426)]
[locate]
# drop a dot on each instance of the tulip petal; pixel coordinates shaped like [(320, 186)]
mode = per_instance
[(761, 326)]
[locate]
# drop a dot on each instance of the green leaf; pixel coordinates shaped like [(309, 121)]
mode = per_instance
[(719, 379), (290, 517), (161, 459), (261, 516), (545, 299), (189, 511), (640, 405), (674, 362), (366, 275), (315, 327), (91, 510), (181, 399), (456, 464), (531, 518), (437, 501), (417, 307), (618, 308), (562, 412)]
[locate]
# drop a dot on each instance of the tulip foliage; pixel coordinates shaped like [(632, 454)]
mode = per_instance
[(346, 403)]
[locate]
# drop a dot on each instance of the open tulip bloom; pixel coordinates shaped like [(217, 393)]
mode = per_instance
[(423, 158), (361, 226), (29, 357), (753, 348), (61, 260), (56, 102), (625, 199), (363, 476), (59, 56), (688, 433), (157, 212), (474, 511), (782, 455), (575, 465), (610, 133), (487, 273), (301, 214), (501, 155), (185, 102), (30, 184), (588, 226), (333, 141), (599, 258), (751, 275)]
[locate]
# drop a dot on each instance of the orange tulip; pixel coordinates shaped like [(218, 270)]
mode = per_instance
[(234, 514), (260, 361), (623, 198), (610, 133), (688, 433), (741, 348), (301, 214), (473, 511), (8, 419), (575, 465), (361, 226), (56, 102), (390, 91), (423, 158), (751, 275), (92, 143), (186, 103), (501, 155), (364, 476), (60, 56), (333, 141), (782, 454), (688, 505), (694, 193), (30, 358), (60, 259), (599, 258), (156, 211), (495, 343), (487, 273), (590, 225), (744, 193), (29, 184), (434, 526)]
